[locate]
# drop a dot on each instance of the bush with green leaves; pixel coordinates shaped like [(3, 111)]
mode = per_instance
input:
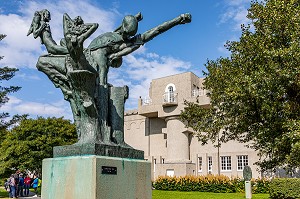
[(209, 183), (32, 140), (285, 188)]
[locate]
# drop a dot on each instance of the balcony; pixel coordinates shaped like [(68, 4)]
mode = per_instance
[(199, 92), (170, 99), (147, 101)]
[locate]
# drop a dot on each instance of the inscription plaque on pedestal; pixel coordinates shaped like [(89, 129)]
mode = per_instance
[(109, 170)]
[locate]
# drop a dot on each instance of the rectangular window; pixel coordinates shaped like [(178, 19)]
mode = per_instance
[(209, 164), (199, 164), (242, 161), (163, 160), (170, 172), (226, 163)]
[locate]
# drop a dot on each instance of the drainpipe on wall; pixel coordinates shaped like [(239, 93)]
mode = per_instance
[(148, 132)]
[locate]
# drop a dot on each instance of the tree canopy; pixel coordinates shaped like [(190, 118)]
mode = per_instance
[(6, 74), (255, 93), (27, 144)]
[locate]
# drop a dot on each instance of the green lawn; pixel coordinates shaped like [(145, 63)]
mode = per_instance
[(156, 194), (3, 193)]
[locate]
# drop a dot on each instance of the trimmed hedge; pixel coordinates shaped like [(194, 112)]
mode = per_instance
[(285, 188), (209, 183)]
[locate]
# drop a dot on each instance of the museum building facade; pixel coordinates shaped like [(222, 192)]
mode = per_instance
[(173, 150)]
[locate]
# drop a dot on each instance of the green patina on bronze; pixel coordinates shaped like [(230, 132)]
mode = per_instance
[(81, 74), (247, 173)]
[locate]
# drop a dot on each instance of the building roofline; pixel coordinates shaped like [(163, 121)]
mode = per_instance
[(175, 75)]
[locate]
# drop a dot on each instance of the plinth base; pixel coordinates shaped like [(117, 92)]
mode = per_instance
[(97, 149), (96, 177)]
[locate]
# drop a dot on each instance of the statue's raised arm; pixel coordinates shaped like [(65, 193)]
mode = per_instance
[(108, 49), (150, 34), (138, 40), (75, 33)]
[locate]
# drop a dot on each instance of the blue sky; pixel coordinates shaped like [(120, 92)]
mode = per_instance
[(181, 49)]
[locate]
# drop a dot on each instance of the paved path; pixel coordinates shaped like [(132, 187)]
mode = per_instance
[(29, 197), (31, 194)]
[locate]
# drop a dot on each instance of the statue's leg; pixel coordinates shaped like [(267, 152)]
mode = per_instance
[(53, 48), (102, 97), (100, 58), (116, 113)]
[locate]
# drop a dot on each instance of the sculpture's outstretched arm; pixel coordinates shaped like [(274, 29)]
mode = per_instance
[(126, 49), (139, 40), (150, 34)]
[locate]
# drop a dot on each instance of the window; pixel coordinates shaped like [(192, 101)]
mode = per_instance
[(170, 172), (209, 164), (154, 165), (163, 160), (226, 163), (242, 161), (170, 95), (199, 164)]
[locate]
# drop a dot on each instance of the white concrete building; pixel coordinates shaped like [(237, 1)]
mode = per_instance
[(171, 147)]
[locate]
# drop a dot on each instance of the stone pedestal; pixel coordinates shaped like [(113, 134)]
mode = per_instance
[(97, 149), (96, 177)]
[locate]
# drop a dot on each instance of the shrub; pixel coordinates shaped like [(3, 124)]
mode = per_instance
[(285, 188), (209, 183)]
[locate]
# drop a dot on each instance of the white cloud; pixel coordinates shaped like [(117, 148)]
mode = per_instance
[(140, 69), (22, 51), (55, 109), (25, 76), (236, 12), (237, 2)]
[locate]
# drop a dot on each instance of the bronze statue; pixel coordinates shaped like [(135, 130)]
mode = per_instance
[(81, 74), (40, 28)]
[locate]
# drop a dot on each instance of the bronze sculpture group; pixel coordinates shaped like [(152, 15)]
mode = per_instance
[(81, 74)]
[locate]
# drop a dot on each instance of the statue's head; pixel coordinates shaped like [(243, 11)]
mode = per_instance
[(45, 15), (129, 26), (78, 20)]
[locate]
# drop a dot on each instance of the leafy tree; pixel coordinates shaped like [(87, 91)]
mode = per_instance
[(6, 74), (255, 93), (26, 145)]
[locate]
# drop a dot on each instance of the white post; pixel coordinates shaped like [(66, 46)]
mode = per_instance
[(247, 174), (248, 190)]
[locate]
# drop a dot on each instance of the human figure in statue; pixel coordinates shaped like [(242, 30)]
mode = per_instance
[(75, 33), (108, 48), (40, 28)]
